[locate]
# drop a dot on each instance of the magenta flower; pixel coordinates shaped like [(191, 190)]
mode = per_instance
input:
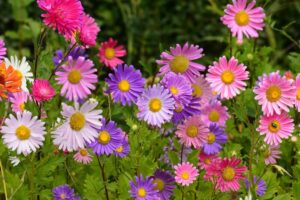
[(18, 100), (42, 90), (83, 156), (2, 49), (206, 160), (202, 90), (185, 173), (297, 85), (214, 112)]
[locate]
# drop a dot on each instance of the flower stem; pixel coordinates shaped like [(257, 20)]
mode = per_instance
[(3, 180), (181, 153), (38, 50), (102, 171)]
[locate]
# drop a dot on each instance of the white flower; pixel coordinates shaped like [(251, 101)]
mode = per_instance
[(14, 160)]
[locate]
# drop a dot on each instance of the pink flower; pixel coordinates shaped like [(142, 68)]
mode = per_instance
[(275, 127), (63, 15), (110, 53), (193, 133), (202, 90), (275, 93), (214, 112), (42, 90), (2, 49), (206, 160), (227, 78), (18, 100), (297, 85), (271, 154), (243, 20), (83, 156), (186, 173), (180, 60)]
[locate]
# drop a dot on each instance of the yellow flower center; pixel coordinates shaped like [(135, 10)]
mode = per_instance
[(192, 131), (83, 152), (141, 192), (19, 74), (185, 175), (155, 105), (211, 138), (242, 18), (179, 64), (109, 53), (207, 161), (274, 126), (124, 86), (214, 116), (77, 121), (104, 137), (228, 174), (273, 93), (298, 94), (119, 149), (227, 77), (174, 90), (197, 90), (63, 196), (178, 108), (267, 153), (22, 132), (160, 184), (22, 106), (74, 76)]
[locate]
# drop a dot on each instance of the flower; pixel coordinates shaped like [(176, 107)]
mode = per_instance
[(77, 77), (186, 173), (243, 20), (180, 60), (275, 127), (155, 105), (110, 53), (260, 185), (23, 133), (271, 154), (42, 90), (83, 156), (179, 87), (216, 137), (65, 16), (123, 149), (164, 183), (227, 78), (142, 189), (75, 53), (206, 160), (23, 70), (202, 90), (274, 93), (88, 31), (14, 160), (297, 85), (214, 112), (192, 132), (18, 101), (63, 192), (183, 112), (10, 81), (80, 126), (125, 84), (108, 139), (2, 49)]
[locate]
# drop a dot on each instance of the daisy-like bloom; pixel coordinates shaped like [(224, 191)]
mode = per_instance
[(206, 160), (271, 154), (65, 16), (2, 49), (193, 133), (63, 192), (75, 53), (109, 138), (297, 85), (186, 173), (18, 101), (202, 90), (23, 69), (243, 19), (180, 61), (42, 90), (179, 87), (79, 127), (155, 105), (260, 186), (227, 78), (83, 156), (164, 183), (23, 133), (77, 77), (275, 93), (110, 53), (275, 127), (183, 112), (142, 189), (88, 31), (123, 149), (125, 84), (214, 112), (215, 139), (10, 81), (14, 160)]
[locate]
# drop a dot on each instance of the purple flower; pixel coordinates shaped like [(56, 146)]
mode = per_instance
[(215, 139), (63, 192), (183, 112), (142, 189), (260, 186), (125, 84), (165, 184), (75, 53), (2, 49), (123, 149)]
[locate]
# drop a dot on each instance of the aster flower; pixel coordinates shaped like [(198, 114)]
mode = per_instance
[(155, 105), (23, 69), (227, 78), (83, 156), (88, 31), (243, 20), (271, 154), (275, 127), (202, 90), (109, 138), (18, 101), (65, 16), (63, 192), (110, 53), (14, 160), (206, 160), (80, 126), (215, 139), (297, 85), (42, 90), (75, 53), (214, 112), (10, 81), (260, 185), (180, 60), (2, 49), (142, 189), (77, 77), (23, 133), (275, 93), (125, 84), (183, 112), (123, 149), (186, 173), (164, 183), (192, 133)]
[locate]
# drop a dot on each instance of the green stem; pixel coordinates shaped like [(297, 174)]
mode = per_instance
[(31, 176), (38, 51), (102, 171), (3, 180)]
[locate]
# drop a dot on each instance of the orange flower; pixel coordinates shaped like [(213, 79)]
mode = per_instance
[(10, 81)]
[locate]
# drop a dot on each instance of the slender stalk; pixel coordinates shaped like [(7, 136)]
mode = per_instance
[(230, 44), (182, 194), (109, 106), (102, 171), (3, 180), (181, 153), (31, 176), (5, 114), (38, 51)]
